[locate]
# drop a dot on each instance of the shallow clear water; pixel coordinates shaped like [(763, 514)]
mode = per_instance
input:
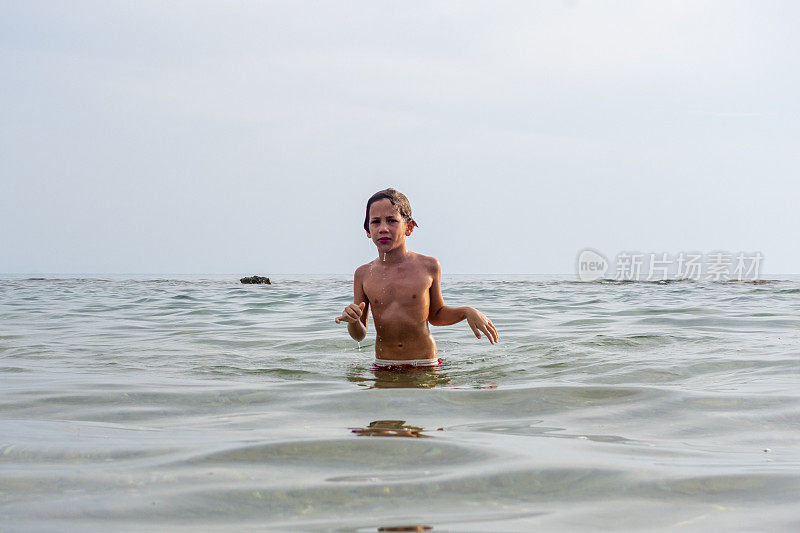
[(203, 403)]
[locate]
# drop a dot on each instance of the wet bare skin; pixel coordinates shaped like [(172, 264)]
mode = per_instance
[(404, 290), (400, 298)]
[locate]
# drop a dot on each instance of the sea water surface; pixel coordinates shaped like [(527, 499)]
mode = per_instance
[(192, 403)]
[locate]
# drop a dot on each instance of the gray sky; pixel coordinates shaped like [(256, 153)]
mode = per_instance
[(245, 137)]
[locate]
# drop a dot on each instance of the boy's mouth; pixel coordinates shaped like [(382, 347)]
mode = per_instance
[(384, 240)]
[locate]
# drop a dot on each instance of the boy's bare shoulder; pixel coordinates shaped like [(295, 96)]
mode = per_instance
[(429, 263), (362, 270)]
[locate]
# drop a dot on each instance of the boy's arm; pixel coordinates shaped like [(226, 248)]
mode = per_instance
[(442, 315), (358, 329), (356, 314)]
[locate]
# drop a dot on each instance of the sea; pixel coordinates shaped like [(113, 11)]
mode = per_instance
[(197, 403)]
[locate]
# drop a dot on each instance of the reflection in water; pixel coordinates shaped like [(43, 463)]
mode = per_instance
[(390, 428), (418, 378), (405, 528), (412, 378)]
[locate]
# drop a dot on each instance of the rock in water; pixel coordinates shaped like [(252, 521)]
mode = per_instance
[(256, 279)]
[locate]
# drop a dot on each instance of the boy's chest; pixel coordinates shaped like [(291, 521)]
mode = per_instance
[(405, 287)]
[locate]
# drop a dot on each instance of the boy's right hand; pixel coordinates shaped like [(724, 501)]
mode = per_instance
[(352, 313)]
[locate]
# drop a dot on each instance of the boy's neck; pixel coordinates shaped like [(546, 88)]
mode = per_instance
[(397, 255)]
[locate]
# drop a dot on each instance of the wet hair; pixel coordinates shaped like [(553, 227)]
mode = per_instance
[(398, 200)]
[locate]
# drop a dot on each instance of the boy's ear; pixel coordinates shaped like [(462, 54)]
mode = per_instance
[(369, 236)]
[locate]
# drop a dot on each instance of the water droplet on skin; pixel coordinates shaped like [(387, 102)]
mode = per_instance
[(384, 257)]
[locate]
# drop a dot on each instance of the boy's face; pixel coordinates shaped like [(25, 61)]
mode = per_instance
[(387, 228)]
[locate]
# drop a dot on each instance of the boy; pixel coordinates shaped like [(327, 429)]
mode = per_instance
[(403, 289)]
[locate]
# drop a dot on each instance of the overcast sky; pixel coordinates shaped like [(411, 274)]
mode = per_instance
[(246, 137)]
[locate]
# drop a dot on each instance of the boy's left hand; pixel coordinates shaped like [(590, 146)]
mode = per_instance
[(478, 322)]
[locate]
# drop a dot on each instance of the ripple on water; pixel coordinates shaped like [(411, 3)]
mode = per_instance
[(348, 453), (186, 404)]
